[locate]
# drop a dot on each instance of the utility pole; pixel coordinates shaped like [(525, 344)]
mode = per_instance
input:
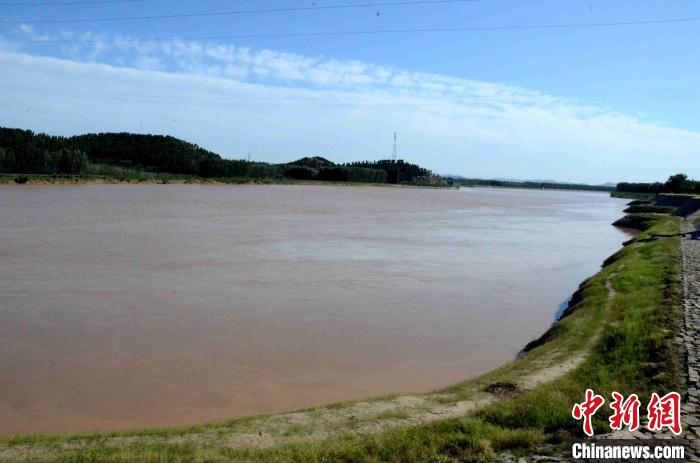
[(395, 161)]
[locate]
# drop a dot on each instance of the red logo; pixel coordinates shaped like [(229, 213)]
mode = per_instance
[(626, 412), (587, 409), (663, 412)]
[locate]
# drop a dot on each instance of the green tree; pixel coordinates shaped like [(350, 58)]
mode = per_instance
[(678, 184)]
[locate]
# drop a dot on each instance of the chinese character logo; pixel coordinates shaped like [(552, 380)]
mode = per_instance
[(587, 409), (625, 412), (662, 412), (665, 412)]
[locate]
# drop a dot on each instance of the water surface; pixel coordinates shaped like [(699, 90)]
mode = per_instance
[(127, 306)]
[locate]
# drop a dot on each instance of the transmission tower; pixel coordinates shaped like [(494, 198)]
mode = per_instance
[(394, 161)]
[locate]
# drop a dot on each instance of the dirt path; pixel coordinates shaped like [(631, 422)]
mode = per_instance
[(552, 372)]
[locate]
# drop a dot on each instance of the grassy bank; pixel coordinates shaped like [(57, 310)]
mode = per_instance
[(649, 209), (639, 222), (617, 335), (631, 195)]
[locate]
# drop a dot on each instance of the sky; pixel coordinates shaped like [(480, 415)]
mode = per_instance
[(501, 95)]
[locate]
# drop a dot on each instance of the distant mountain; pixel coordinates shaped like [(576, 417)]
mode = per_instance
[(527, 181), (535, 184)]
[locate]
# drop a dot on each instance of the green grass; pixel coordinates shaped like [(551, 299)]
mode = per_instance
[(635, 352), (640, 202), (628, 336), (630, 195), (639, 222), (649, 208)]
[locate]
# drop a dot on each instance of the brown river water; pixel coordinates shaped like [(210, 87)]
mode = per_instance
[(127, 306)]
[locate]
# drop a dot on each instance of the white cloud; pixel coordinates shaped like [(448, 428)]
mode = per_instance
[(280, 105), (30, 34)]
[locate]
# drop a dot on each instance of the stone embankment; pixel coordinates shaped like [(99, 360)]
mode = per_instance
[(690, 336)]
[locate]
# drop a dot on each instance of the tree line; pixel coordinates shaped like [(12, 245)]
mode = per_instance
[(22, 151), (679, 183), (400, 171), (26, 152), (319, 168), (383, 171)]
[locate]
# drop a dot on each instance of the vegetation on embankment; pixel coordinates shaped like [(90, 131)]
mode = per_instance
[(639, 222), (640, 202), (632, 195), (678, 202), (635, 299), (649, 209), (136, 157), (617, 336)]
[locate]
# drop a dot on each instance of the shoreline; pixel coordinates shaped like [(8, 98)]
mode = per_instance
[(41, 179), (557, 355), (6, 180)]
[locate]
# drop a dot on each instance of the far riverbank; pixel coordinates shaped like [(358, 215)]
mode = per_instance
[(167, 179)]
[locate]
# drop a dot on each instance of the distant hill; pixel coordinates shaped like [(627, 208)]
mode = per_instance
[(152, 152), (315, 162), (27, 152), (320, 168)]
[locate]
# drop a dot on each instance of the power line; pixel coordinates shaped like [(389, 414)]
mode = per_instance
[(379, 31), (236, 12), (86, 2)]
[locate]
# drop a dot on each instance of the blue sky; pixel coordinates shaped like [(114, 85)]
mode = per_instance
[(574, 104)]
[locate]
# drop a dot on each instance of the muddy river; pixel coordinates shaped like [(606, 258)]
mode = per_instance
[(126, 306)]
